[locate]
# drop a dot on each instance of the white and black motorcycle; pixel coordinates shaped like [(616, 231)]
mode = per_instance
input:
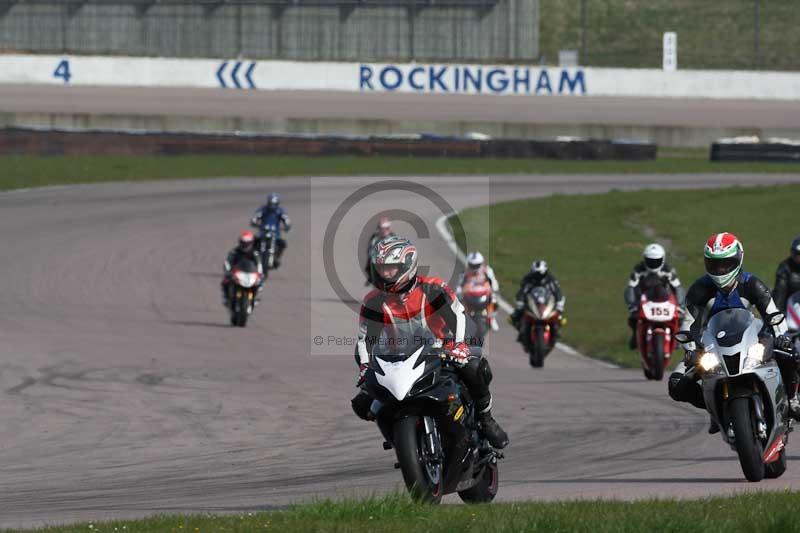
[(744, 391), (427, 416)]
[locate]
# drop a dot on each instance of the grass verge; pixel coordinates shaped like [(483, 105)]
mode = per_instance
[(591, 243), (755, 512), (32, 171)]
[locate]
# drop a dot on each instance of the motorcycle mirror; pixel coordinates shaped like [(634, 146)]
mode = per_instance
[(776, 319), (683, 337)]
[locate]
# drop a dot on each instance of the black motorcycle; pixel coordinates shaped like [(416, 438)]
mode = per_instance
[(426, 414)]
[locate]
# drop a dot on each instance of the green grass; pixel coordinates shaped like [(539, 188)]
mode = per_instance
[(755, 513), (628, 33), (593, 241), (31, 171)]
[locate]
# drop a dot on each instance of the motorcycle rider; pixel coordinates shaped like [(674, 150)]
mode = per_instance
[(245, 249), (726, 286), (272, 214), (383, 230), (539, 276), (653, 268), (478, 269), (403, 296), (787, 277)]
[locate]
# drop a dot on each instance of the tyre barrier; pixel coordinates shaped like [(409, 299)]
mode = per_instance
[(749, 150), (24, 141)]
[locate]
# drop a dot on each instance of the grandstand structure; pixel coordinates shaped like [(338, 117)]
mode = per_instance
[(305, 30), (730, 35)]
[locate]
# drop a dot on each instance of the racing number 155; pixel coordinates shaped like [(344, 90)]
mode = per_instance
[(62, 71)]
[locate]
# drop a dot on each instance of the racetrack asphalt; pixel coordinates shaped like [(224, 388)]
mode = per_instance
[(126, 393)]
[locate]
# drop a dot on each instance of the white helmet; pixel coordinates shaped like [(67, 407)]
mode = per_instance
[(539, 268), (654, 255), (475, 260)]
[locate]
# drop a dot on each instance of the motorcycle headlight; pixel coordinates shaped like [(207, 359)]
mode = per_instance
[(708, 361), (755, 356)]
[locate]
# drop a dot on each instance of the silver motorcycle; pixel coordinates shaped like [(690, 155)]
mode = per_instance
[(744, 391)]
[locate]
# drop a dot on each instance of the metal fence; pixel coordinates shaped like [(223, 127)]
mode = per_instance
[(345, 30), (729, 34)]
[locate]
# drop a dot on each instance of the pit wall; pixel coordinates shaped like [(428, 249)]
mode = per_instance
[(522, 80)]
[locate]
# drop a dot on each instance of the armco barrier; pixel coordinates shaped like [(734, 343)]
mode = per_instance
[(17, 141), (767, 151)]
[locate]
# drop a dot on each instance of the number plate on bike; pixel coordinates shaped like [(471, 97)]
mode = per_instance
[(659, 311)]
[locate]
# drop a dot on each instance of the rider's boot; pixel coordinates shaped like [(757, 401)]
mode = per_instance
[(224, 290), (496, 436), (493, 323), (713, 427)]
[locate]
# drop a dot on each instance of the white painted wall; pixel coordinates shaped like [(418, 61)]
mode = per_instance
[(422, 78)]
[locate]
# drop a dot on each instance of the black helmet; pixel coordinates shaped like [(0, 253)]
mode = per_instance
[(795, 251), (273, 200), (539, 269), (394, 263)]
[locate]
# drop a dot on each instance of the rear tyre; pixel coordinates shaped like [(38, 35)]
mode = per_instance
[(407, 441), (485, 489), (776, 469), (657, 357), (747, 445)]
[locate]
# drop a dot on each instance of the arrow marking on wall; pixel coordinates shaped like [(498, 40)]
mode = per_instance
[(233, 75), (248, 75), (220, 72)]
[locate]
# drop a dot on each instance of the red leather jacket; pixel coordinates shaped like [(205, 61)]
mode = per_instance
[(429, 305)]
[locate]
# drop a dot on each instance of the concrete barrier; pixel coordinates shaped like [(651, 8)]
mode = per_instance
[(521, 80)]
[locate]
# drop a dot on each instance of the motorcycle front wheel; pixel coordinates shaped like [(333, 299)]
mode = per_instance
[(239, 306), (748, 447), (537, 348), (423, 480), (657, 357)]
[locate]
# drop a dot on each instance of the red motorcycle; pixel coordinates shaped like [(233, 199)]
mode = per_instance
[(476, 295), (655, 329), (538, 325)]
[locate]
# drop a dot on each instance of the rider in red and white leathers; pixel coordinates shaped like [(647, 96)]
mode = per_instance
[(478, 269), (404, 299)]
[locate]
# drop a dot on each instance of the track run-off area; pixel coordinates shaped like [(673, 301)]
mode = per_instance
[(126, 393)]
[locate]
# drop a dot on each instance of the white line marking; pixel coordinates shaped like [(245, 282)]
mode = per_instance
[(441, 227)]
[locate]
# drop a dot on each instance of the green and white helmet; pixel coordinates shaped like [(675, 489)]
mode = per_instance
[(724, 255)]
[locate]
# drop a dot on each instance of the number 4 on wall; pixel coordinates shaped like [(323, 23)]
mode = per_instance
[(62, 71)]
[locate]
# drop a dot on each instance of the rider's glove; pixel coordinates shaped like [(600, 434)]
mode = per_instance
[(362, 374), (457, 352), (690, 358), (784, 343)]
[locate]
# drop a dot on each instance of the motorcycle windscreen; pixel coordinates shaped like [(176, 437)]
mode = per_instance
[(727, 328), (401, 340), (246, 265)]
